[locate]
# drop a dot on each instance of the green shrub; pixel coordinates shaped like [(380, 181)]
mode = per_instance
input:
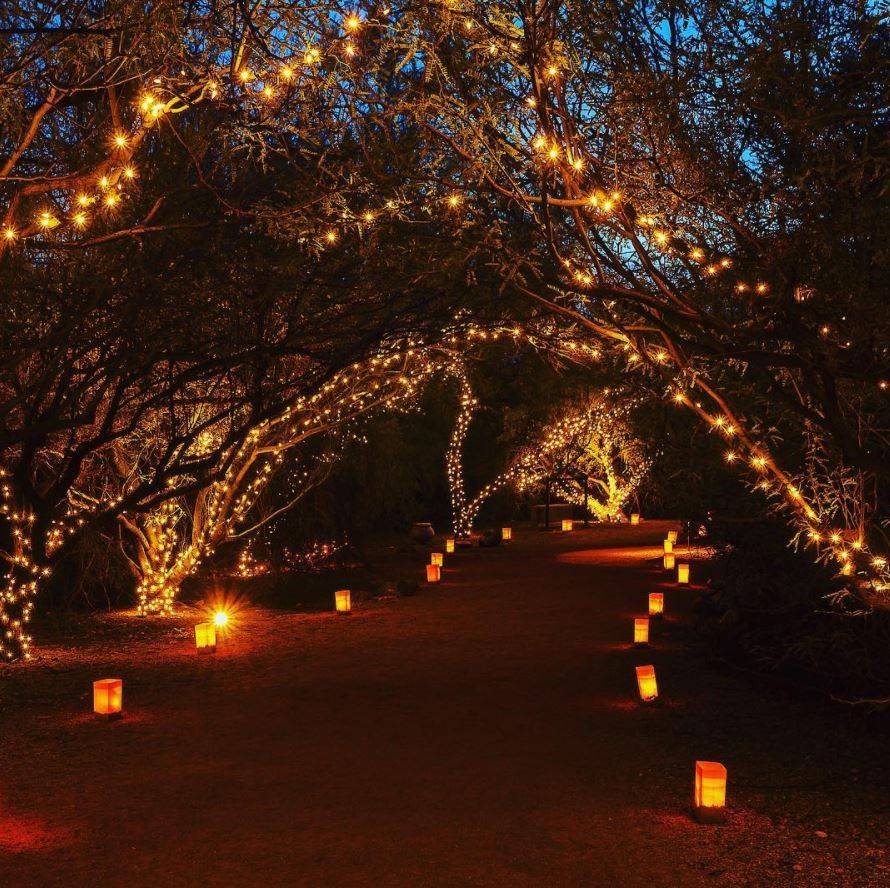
[(776, 609)]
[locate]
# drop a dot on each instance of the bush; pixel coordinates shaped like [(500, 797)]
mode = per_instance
[(92, 576), (774, 608)]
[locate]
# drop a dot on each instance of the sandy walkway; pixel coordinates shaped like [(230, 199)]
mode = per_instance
[(481, 733)]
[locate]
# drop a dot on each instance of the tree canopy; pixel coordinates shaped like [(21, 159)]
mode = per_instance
[(212, 212)]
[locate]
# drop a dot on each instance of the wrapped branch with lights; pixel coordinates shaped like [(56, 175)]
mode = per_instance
[(462, 513)]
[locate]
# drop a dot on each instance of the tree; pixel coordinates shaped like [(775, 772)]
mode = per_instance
[(591, 455), (582, 449), (173, 540), (673, 211), (187, 245)]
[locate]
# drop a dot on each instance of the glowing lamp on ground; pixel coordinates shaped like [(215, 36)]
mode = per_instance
[(641, 630), (683, 573), (567, 524), (449, 545), (506, 534), (669, 561), (205, 638), (672, 536), (646, 683), (221, 618), (437, 558), (710, 792), (635, 518), (668, 546), (433, 573), (108, 697), (343, 601), (656, 604)]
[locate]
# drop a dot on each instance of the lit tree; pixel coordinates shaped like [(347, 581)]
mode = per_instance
[(462, 511), (172, 541), (658, 209), (594, 460), (588, 452), (134, 342), (101, 144)]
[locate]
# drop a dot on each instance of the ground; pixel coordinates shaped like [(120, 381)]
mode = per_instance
[(483, 732)]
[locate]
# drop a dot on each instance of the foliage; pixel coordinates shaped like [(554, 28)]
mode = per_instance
[(774, 607)]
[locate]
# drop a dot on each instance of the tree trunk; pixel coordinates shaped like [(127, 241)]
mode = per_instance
[(547, 506)]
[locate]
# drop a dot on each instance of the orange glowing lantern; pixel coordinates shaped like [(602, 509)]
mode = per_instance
[(710, 792), (672, 536), (506, 534), (449, 545), (669, 561), (205, 638), (108, 697), (656, 604), (641, 630), (683, 573), (437, 558), (343, 601), (635, 518), (567, 524), (668, 546), (433, 573), (647, 684)]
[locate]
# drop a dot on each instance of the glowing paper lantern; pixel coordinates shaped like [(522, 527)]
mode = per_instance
[(343, 601), (433, 573), (506, 534), (641, 630), (710, 792), (567, 524), (108, 697), (668, 546), (672, 536), (656, 604), (647, 684), (449, 545), (205, 638), (635, 518), (437, 558), (669, 561), (683, 573)]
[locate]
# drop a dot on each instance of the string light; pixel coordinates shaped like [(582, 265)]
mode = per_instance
[(594, 440), (806, 514)]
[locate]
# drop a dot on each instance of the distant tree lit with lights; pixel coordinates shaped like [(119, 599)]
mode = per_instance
[(588, 453)]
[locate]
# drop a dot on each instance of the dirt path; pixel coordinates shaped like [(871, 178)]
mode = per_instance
[(481, 733)]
